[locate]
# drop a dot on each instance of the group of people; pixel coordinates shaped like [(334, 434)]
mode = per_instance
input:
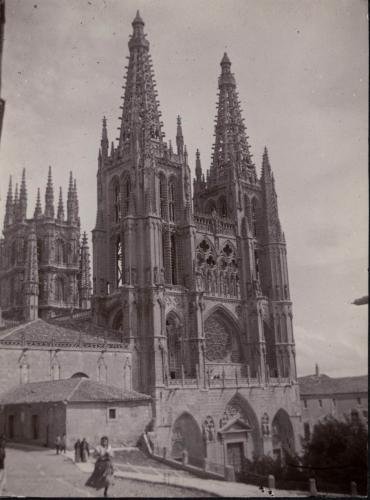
[(82, 450), (101, 478), (60, 444)]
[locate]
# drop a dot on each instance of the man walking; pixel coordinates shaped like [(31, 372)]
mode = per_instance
[(58, 443)]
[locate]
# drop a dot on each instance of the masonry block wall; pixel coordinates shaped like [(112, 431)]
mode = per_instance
[(91, 420)]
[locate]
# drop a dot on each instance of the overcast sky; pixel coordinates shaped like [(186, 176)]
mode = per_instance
[(302, 73)]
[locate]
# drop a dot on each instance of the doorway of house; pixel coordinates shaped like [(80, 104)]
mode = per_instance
[(235, 454), (35, 426), (11, 426)]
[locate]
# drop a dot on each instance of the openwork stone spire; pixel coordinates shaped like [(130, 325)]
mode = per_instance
[(8, 219), (140, 110), (75, 197), (16, 203), (38, 209), (231, 147), (49, 197), (272, 220), (60, 213), (23, 197)]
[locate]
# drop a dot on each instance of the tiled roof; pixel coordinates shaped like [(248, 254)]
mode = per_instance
[(71, 390), (69, 330), (41, 392), (89, 390), (323, 384)]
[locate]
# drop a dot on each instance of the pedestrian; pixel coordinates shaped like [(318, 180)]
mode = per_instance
[(77, 450), (2, 455), (63, 444), (58, 442), (103, 470), (85, 450)]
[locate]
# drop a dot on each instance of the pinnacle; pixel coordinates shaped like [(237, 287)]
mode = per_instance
[(225, 60), (38, 209), (138, 19)]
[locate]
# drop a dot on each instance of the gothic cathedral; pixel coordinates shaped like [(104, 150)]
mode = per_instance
[(196, 283), (44, 267)]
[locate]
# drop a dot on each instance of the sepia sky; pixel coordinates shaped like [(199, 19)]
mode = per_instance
[(302, 73)]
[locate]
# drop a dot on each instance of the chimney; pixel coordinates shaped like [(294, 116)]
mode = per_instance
[(317, 371)]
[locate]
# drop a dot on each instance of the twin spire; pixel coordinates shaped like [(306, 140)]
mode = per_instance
[(16, 207), (140, 119), (231, 146)]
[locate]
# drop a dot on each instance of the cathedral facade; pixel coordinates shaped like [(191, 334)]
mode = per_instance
[(196, 280)]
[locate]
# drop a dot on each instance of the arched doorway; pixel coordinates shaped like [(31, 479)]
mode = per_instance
[(282, 436), (239, 411), (187, 436)]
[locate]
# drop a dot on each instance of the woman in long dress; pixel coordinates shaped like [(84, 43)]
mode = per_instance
[(103, 470)]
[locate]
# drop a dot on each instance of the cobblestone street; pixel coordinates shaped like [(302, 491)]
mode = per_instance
[(38, 472)]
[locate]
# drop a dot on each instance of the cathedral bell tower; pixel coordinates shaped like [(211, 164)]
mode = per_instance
[(140, 240), (233, 194)]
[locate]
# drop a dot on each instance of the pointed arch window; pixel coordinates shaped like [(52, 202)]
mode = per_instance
[(171, 200), (59, 289), (127, 193), (173, 260), (223, 207), (174, 348), (39, 251), (257, 264), (254, 217), (117, 202), (162, 196), (61, 252), (119, 261)]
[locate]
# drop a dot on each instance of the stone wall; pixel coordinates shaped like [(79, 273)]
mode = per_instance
[(35, 365), (51, 422), (92, 421)]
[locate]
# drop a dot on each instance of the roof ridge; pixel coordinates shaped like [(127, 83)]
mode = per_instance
[(75, 388)]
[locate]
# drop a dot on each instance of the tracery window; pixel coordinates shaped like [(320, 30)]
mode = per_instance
[(173, 331), (222, 343), (116, 202), (173, 260), (223, 207), (171, 201), (257, 264), (61, 252), (254, 217), (127, 194), (162, 197), (39, 251), (59, 289)]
